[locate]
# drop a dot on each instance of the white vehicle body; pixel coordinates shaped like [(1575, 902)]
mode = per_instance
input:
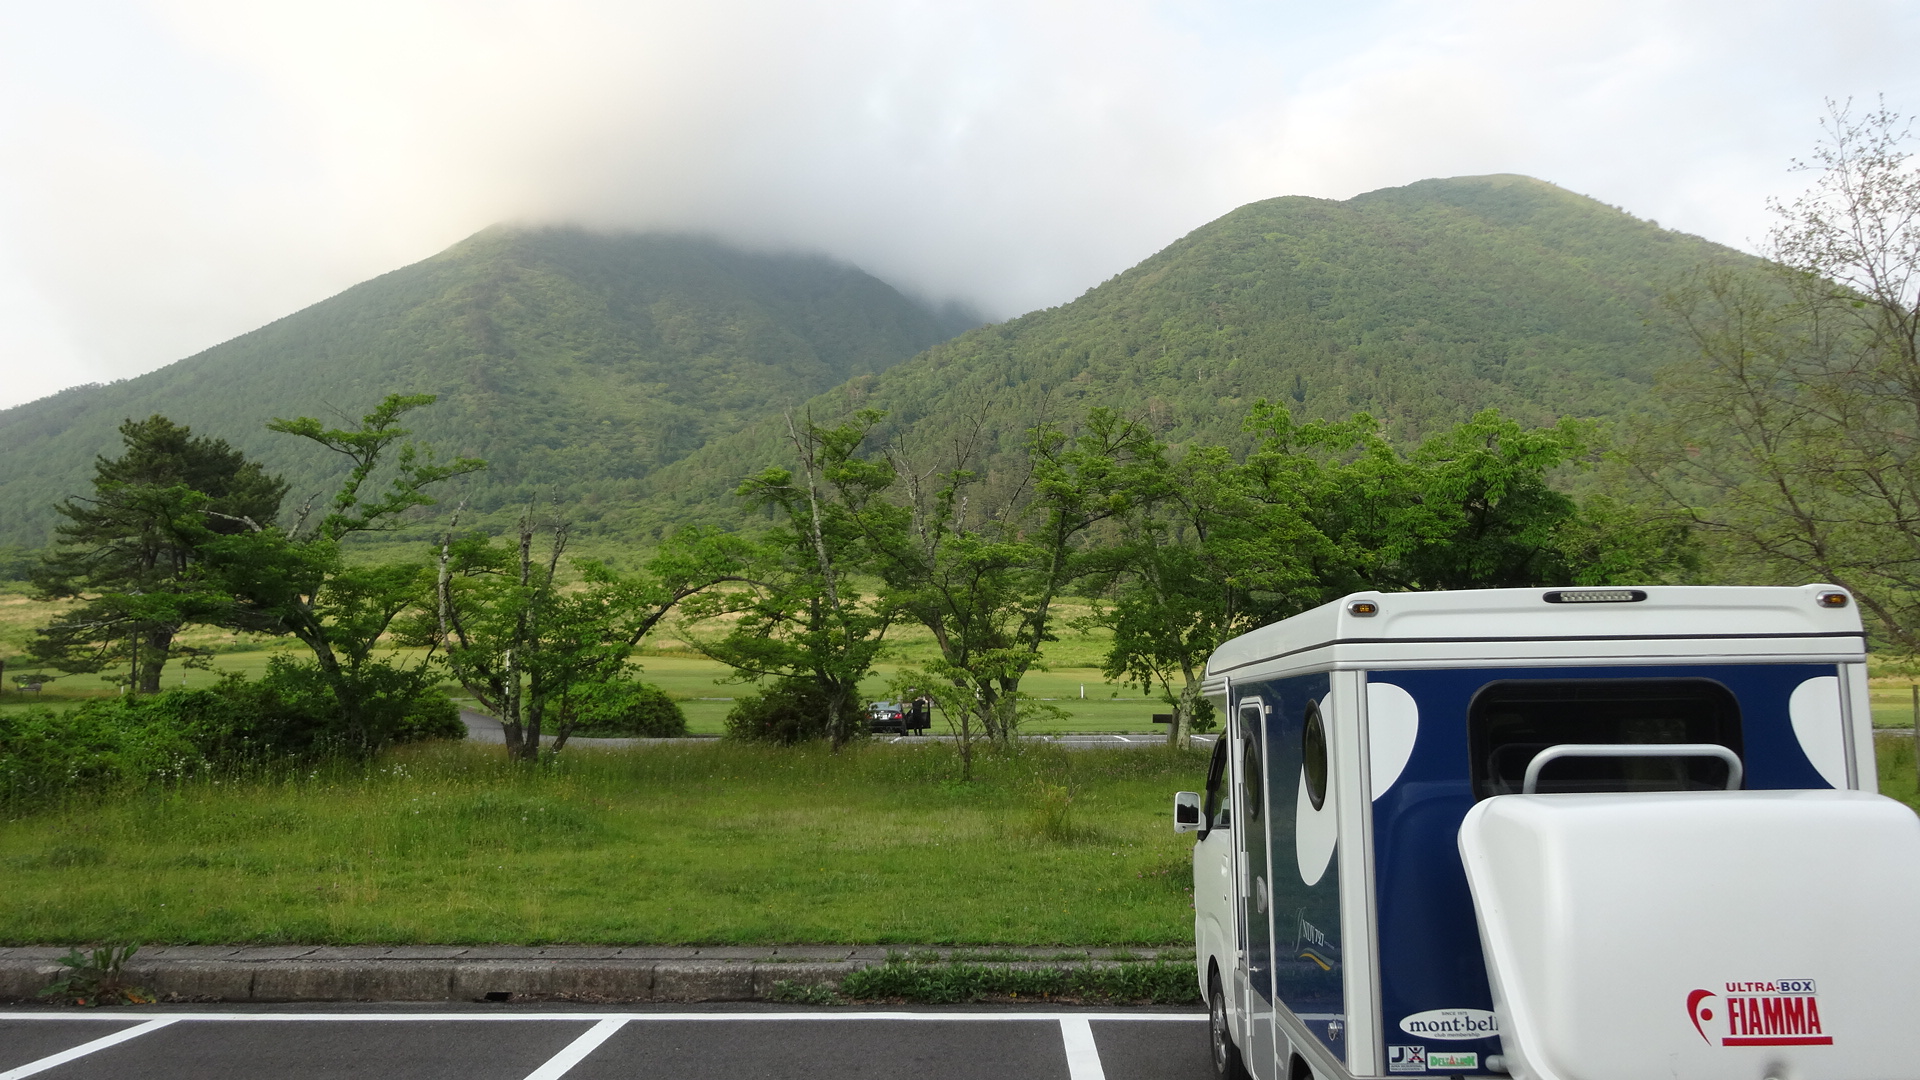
[(1484, 833)]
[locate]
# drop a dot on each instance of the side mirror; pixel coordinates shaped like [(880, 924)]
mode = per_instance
[(1186, 811)]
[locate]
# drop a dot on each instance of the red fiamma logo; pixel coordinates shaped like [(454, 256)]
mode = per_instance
[(1783, 1012)]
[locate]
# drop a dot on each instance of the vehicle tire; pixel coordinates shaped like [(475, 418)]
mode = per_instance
[(1226, 1056)]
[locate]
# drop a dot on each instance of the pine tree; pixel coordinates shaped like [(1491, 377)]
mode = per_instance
[(130, 552)]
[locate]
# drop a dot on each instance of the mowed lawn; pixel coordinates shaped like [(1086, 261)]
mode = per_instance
[(715, 843)]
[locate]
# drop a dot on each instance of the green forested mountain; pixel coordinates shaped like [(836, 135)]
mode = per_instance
[(635, 377), (575, 363), (1421, 304)]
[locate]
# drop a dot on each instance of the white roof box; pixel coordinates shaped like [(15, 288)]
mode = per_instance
[(1740, 935)]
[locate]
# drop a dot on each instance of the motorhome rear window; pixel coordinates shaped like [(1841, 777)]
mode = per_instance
[(1512, 720)]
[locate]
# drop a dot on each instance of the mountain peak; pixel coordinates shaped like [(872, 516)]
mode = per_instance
[(576, 362)]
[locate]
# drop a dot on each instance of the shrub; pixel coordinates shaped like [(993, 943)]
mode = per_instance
[(98, 747), (789, 711), (399, 705), (627, 708), (124, 742)]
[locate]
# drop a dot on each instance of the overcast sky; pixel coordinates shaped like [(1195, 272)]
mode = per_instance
[(173, 174)]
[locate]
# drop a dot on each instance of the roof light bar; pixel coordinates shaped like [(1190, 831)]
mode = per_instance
[(1594, 596)]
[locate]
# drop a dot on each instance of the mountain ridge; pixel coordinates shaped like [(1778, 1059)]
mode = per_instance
[(637, 378), (575, 362), (1422, 304)]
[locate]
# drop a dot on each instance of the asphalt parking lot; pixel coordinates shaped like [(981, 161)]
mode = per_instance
[(505, 1043)]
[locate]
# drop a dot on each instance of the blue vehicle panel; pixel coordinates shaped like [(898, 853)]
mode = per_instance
[(1430, 958)]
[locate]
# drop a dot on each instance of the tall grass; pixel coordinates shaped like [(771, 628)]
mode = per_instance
[(1895, 759), (720, 843), (692, 844)]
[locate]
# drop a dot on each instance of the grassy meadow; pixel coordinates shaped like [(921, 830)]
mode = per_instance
[(700, 685), (704, 843), (690, 843)]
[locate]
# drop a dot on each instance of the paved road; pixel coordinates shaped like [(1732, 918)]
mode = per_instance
[(507, 1043), (484, 728)]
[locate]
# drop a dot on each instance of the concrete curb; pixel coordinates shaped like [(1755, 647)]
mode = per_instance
[(312, 973)]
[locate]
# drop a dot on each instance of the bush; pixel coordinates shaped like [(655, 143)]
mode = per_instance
[(98, 747), (132, 741), (399, 705), (789, 711), (627, 708)]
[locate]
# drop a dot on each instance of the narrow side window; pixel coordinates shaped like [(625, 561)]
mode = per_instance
[(1216, 804), (1313, 756), (1252, 795)]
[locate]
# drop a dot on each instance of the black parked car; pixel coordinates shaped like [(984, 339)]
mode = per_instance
[(899, 718)]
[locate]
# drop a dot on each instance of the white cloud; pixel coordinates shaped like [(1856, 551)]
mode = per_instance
[(174, 173)]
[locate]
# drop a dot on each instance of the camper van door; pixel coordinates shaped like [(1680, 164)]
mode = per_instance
[(1308, 976), (1255, 994)]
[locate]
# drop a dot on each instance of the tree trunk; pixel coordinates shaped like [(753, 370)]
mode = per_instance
[(535, 718), (344, 693), (516, 735), (837, 716), (1180, 732), (155, 647)]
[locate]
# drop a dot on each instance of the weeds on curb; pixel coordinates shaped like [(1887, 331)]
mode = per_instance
[(803, 994), (1154, 983), (97, 978)]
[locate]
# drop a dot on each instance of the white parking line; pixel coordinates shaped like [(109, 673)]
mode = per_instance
[(356, 1017), (571, 1055), (84, 1049), (1083, 1057)]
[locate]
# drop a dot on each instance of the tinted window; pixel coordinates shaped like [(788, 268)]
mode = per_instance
[(1511, 721), (1216, 804), (1313, 756), (1252, 795)]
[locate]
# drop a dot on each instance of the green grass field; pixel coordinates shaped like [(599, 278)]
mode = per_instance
[(1072, 683), (1898, 776), (715, 843), (1893, 704)]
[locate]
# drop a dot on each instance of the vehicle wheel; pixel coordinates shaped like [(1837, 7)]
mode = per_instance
[(1226, 1056)]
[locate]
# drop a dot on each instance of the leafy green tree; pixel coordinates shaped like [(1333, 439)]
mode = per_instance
[(1791, 438), (982, 566), (542, 653), (1470, 508), (299, 580), (804, 617), (133, 552), (1214, 546), (1211, 547)]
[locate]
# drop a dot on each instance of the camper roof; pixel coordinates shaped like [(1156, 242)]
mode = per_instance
[(1643, 623)]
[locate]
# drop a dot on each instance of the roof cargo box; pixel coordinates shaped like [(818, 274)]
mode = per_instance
[(1738, 935)]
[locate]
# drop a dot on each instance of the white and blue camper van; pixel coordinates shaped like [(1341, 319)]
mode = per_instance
[(1573, 834)]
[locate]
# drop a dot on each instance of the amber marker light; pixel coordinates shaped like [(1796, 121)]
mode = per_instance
[(1833, 599), (1363, 608)]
